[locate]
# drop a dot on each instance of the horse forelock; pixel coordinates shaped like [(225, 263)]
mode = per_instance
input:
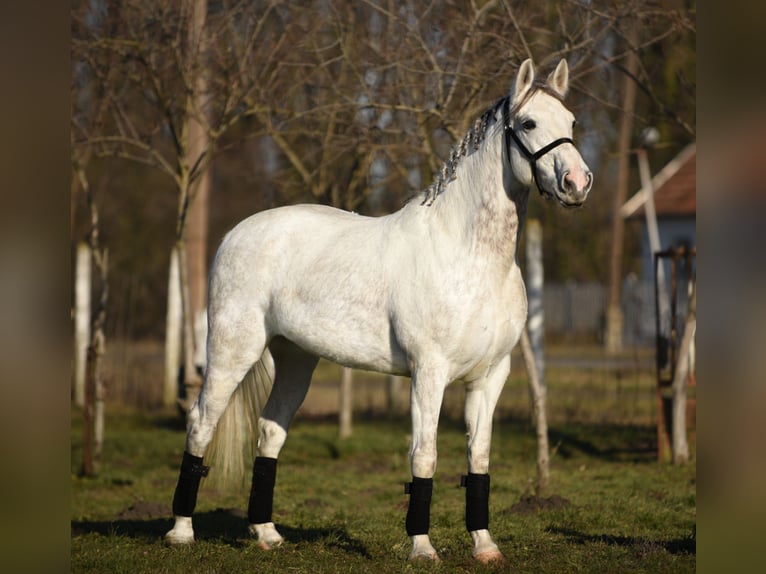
[(537, 87)]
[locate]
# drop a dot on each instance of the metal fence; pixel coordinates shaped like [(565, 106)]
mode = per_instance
[(576, 310)]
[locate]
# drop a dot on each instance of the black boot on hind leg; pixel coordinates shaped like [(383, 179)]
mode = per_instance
[(261, 503), (185, 499)]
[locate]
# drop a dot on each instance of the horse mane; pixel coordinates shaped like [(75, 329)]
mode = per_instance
[(471, 142), (473, 138)]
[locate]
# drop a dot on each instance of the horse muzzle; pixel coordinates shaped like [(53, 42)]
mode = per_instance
[(574, 187)]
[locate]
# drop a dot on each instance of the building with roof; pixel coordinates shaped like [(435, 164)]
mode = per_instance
[(675, 203)]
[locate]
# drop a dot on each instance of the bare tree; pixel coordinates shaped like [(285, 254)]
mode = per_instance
[(154, 72), (362, 100)]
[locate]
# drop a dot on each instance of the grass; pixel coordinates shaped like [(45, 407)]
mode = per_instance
[(340, 504)]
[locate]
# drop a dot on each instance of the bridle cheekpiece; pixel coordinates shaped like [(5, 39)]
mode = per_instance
[(532, 158)]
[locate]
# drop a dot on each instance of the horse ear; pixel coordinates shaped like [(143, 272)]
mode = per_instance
[(524, 80), (558, 81)]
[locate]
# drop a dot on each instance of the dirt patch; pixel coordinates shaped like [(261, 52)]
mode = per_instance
[(142, 510), (533, 504)]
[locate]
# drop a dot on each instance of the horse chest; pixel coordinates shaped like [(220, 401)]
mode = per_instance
[(469, 324)]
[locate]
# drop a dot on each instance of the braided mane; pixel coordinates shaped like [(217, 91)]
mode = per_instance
[(473, 138)]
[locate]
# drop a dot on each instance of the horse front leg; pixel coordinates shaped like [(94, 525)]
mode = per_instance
[(481, 399), (426, 398)]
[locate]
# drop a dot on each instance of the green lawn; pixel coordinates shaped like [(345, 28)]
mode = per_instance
[(340, 504)]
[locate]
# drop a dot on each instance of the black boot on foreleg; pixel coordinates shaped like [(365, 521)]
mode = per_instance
[(477, 516), (418, 519)]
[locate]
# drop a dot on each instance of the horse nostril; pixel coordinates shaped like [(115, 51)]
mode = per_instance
[(578, 182), (570, 185), (589, 177)]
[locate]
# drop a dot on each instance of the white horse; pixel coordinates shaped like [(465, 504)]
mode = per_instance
[(432, 291)]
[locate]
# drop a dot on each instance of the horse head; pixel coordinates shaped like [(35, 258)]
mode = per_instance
[(539, 144)]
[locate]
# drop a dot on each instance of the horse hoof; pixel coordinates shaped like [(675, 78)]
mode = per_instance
[(269, 545), (267, 536), (490, 556), (173, 538), (424, 557)]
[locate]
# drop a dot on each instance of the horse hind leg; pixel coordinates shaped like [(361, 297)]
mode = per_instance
[(226, 369), (293, 370)]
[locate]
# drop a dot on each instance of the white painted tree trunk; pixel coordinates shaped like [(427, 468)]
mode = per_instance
[(533, 350), (173, 329), (534, 284), (93, 411), (345, 403), (192, 381), (82, 291), (680, 380)]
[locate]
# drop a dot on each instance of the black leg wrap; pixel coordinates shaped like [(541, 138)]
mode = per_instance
[(476, 501), (192, 471), (262, 490), (419, 510)]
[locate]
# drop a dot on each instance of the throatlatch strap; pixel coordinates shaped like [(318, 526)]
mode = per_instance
[(262, 490), (476, 501), (419, 511), (192, 471)]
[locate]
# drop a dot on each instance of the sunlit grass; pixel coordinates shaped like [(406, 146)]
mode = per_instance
[(341, 506)]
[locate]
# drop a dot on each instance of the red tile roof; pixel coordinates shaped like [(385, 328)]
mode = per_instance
[(675, 189)]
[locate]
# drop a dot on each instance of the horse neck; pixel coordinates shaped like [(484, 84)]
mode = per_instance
[(485, 204)]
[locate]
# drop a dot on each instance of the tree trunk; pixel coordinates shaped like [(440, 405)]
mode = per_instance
[(393, 394), (533, 350), (93, 413), (192, 380), (82, 320), (539, 396), (534, 284), (345, 403), (173, 330), (194, 200), (680, 380), (614, 318)]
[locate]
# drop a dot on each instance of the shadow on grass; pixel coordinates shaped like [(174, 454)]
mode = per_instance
[(228, 526), (612, 443), (638, 545)]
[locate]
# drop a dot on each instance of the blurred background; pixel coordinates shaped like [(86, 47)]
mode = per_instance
[(188, 116)]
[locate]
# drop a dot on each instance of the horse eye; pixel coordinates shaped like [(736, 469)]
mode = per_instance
[(574, 124), (529, 125)]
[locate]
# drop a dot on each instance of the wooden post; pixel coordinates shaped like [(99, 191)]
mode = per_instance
[(174, 317), (345, 403), (82, 289), (654, 237), (533, 351)]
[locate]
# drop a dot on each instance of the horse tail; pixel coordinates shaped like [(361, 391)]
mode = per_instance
[(231, 451)]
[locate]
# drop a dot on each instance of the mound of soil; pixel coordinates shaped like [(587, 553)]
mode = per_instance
[(530, 504), (142, 510)]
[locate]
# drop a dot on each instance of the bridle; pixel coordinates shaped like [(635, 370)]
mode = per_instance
[(532, 158)]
